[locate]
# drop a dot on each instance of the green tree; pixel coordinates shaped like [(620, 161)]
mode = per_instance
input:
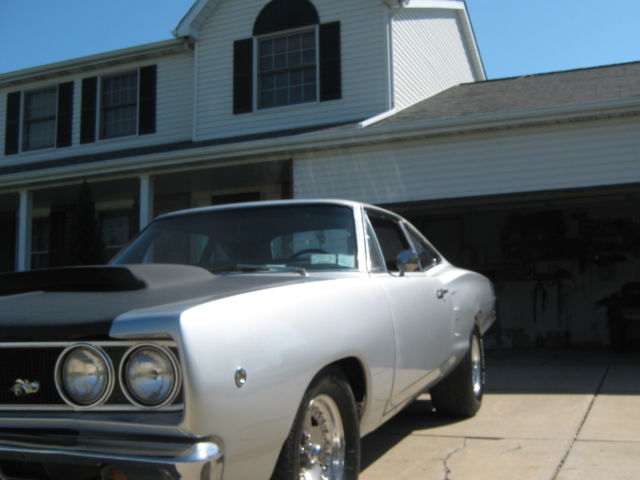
[(85, 246)]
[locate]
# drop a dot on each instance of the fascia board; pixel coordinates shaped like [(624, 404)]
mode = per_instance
[(275, 148), (474, 51), (493, 121), (185, 27), (442, 4), (92, 62), (199, 12)]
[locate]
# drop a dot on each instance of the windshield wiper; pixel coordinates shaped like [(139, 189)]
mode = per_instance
[(245, 267)]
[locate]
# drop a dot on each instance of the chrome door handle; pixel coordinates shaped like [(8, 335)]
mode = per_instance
[(441, 292)]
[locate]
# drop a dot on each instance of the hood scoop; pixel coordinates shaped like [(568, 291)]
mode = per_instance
[(109, 278), (71, 279)]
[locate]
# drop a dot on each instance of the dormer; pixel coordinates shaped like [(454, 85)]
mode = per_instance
[(273, 65)]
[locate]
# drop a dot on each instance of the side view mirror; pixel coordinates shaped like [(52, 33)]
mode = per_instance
[(407, 261)]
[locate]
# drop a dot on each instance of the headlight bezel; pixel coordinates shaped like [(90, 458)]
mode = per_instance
[(60, 380), (124, 381)]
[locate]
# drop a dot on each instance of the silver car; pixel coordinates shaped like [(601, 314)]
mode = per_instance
[(244, 342)]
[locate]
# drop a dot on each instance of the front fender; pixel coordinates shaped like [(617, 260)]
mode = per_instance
[(281, 337)]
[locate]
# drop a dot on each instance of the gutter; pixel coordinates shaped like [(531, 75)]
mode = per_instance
[(276, 148)]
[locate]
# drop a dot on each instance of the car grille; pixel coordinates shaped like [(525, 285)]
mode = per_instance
[(37, 362)]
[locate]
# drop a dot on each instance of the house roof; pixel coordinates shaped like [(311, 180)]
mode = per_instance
[(502, 103), (526, 93)]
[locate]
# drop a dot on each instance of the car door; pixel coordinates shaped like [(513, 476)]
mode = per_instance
[(421, 310)]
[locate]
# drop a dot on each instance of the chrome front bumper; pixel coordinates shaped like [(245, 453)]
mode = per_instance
[(137, 460)]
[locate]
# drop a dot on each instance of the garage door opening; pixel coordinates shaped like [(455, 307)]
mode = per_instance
[(555, 259)]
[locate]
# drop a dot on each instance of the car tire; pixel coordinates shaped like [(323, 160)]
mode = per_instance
[(328, 420), (460, 393)]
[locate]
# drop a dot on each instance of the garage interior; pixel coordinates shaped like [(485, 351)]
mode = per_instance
[(557, 260)]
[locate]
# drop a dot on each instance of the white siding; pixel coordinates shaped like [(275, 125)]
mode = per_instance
[(364, 77), (173, 111), (429, 54), (584, 154)]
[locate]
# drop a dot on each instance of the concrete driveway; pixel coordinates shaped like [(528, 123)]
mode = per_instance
[(546, 415)]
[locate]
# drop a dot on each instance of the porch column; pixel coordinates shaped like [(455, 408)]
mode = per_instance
[(146, 200), (25, 220)]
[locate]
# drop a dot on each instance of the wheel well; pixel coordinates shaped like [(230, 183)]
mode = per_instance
[(478, 321), (353, 370)]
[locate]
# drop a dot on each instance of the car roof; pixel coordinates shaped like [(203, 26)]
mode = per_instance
[(269, 203)]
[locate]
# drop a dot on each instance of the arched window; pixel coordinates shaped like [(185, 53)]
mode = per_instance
[(279, 15), (297, 59)]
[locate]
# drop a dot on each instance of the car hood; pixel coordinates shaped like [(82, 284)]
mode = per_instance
[(81, 303)]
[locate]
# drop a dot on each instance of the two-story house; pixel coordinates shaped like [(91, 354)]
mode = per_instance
[(534, 180), (210, 116)]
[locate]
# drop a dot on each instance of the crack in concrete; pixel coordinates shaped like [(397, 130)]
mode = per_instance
[(445, 460)]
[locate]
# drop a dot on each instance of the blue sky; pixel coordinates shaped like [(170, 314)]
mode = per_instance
[(515, 37)]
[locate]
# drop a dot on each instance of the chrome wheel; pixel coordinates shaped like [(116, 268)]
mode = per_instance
[(322, 443), (476, 366)]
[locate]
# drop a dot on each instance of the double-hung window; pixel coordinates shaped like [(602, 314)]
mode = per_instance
[(119, 105), (291, 58), (40, 119), (287, 69)]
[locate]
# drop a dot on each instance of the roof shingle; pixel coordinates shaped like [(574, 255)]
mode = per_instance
[(572, 87)]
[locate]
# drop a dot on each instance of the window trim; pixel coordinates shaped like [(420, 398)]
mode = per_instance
[(374, 244), (398, 222), (256, 94), (411, 230)]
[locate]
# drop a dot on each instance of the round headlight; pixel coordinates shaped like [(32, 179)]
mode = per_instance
[(84, 375), (150, 376)]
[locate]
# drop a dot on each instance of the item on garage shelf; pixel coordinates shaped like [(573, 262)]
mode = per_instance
[(623, 315)]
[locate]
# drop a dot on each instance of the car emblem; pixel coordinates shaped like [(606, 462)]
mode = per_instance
[(24, 387)]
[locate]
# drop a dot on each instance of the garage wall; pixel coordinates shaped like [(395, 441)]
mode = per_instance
[(574, 155), (547, 291)]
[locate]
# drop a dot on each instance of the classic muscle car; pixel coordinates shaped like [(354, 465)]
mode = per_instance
[(247, 342)]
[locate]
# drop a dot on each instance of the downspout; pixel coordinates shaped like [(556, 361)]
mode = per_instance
[(190, 41)]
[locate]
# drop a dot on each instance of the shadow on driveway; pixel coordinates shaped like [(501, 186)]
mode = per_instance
[(519, 372)]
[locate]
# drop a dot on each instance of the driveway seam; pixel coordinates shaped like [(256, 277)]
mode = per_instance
[(579, 429)]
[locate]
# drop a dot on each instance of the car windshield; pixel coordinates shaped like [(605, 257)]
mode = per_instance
[(312, 237)]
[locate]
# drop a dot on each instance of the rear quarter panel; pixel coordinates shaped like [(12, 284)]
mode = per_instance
[(473, 301)]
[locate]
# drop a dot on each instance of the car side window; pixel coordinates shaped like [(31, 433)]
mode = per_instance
[(391, 239), (428, 257), (377, 263)]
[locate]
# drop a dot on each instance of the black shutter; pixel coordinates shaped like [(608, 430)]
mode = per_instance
[(147, 107), (330, 66), (65, 113), (12, 127), (88, 117), (243, 76)]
